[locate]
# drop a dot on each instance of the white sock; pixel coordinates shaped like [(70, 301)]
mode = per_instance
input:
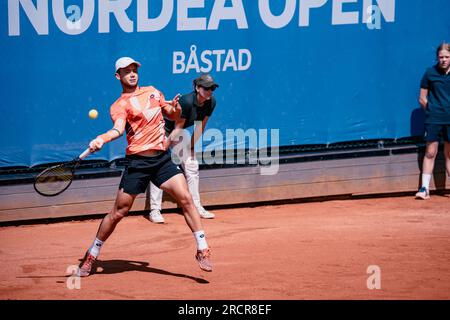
[(95, 248), (201, 240), (426, 178)]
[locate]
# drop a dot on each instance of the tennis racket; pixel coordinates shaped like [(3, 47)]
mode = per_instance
[(56, 179)]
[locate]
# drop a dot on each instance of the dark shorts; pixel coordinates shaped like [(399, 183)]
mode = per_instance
[(434, 132), (139, 171)]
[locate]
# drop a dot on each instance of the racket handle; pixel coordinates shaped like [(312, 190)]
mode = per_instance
[(85, 154)]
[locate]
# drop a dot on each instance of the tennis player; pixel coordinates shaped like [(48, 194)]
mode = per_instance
[(139, 111)]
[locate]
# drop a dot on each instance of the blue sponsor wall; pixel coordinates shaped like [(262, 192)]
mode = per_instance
[(320, 71)]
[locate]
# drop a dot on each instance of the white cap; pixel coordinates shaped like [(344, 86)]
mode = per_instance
[(125, 62)]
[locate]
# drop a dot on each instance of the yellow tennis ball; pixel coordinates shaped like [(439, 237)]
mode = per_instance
[(93, 114)]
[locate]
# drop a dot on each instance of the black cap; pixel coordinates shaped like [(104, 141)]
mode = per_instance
[(205, 81)]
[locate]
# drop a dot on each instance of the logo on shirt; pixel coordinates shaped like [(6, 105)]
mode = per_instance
[(150, 112), (154, 95)]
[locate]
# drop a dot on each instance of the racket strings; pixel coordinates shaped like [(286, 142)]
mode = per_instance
[(54, 180)]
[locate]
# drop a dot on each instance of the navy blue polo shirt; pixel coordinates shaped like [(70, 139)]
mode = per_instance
[(438, 85), (191, 111)]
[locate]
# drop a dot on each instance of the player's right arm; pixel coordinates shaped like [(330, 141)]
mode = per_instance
[(423, 100), (424, 87), (112, 134)]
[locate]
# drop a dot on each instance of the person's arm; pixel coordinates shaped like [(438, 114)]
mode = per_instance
[(198, 131), (424, 88), (423, 98), (112, 134), (172, 109), (179, 125)]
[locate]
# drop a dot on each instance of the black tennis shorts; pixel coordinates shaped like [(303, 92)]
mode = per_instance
[(434, 132), (140, 170)]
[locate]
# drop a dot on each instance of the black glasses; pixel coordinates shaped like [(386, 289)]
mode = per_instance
[(210, 88)]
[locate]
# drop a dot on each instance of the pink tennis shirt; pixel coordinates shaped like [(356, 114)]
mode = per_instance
[(143, 114)]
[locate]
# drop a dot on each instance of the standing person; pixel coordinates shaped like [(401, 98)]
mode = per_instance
[(139, 111), (197, 107), (435, 100)]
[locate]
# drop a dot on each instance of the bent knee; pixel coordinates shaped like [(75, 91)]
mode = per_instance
[(185, 199), (118, 214), (430, 154)]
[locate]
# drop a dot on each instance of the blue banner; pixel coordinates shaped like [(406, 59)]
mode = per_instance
[(319, 71)]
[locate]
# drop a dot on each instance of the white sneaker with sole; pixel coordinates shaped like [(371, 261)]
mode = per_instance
[(423, 193), (155, 216), (205, 214)]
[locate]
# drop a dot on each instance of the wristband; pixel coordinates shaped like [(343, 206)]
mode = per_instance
[(116, 131)]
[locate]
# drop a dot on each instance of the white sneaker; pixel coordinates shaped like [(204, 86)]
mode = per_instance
[(155, 216), (423, 193), (205, 214)]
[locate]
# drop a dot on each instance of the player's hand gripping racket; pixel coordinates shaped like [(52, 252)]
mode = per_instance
[(54, 180)]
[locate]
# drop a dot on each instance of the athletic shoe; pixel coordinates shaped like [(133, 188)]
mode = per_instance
[(423, 193), (155, 216), (205, 214), (86, 264), (202, 258)]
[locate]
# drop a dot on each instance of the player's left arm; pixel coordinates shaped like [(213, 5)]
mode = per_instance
[(172, 109)]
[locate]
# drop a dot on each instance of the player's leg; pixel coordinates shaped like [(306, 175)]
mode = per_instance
[(432, 132), (430, 157), (191, 171), (122, 206), (134, 181), (427, 169), (177, 187), (156, 195)]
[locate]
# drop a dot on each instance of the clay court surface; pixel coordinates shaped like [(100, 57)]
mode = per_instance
[(317, 250)]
